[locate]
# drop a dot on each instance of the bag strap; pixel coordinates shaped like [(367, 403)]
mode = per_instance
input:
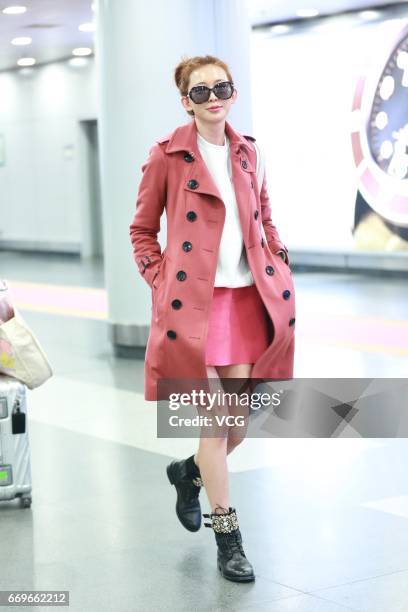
[(260, 165), (260, 174)]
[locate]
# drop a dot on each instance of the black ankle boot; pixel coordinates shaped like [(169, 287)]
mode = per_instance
[(186, 477), (231, 558)]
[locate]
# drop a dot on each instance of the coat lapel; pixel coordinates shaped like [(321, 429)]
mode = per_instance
[(243, 176), (184, 139)]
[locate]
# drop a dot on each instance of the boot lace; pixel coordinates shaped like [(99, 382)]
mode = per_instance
[(232, 542)]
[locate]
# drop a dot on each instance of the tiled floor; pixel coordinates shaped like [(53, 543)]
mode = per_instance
[(324, 522)]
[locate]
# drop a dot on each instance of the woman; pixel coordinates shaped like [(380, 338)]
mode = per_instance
[(222, 292)]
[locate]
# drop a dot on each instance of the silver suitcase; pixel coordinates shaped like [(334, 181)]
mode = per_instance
[(15, 468)]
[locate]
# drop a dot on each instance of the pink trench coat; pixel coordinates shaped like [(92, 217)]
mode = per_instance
[(175, 177)]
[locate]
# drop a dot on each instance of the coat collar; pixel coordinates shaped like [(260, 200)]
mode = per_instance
[(184, 138)]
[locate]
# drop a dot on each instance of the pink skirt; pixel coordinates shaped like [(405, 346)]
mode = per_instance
[(238, 330)]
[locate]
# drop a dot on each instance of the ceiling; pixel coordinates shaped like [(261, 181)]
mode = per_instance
[(53, 24), (276, 11)]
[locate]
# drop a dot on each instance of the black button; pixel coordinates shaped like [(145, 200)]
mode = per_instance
[(181, 275), (171, 334), (256, 213), (191, 215), (286, 294), (292, 322), (192, 184), (187, 246), (176, 304), (244, 164), (188, 158), (269, 270), (262, 242)]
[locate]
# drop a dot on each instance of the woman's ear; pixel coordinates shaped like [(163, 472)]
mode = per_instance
[(185, 101)]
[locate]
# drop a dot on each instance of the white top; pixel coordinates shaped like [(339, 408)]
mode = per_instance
[(232, 265)]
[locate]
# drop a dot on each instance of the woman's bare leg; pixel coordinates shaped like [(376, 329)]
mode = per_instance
[(237, 433), (211, 456)]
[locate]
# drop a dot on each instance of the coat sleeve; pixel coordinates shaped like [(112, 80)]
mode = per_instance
[(271, 232), (151, 199)]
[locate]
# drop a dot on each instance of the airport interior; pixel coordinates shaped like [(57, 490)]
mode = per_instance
[(86, 90)]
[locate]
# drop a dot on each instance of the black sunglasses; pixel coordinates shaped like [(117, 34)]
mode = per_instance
[(201, 93)]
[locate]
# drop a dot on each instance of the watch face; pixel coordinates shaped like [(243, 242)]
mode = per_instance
[(388, 122), (379, 133)]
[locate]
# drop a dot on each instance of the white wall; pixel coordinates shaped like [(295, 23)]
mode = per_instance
[(41, 182)]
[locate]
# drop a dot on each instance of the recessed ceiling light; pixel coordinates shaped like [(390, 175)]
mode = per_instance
[(26, 61), (78, 61), (14, 10), (280, 28), (87, 27), (22, 40), (82, 51), (369, 14), (307, 12)]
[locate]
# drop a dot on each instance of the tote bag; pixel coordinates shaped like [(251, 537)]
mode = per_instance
[(21, 355)]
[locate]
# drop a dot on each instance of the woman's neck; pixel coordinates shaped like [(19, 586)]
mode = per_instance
[(214, 133)]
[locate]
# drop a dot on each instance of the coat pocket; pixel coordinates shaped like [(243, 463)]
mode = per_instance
[(157, 285), (284, 270), (160, 274)]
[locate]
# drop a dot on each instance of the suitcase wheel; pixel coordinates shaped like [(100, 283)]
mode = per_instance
[(26, 502)]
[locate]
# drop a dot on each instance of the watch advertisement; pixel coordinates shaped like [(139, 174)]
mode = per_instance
[(333, 120)]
